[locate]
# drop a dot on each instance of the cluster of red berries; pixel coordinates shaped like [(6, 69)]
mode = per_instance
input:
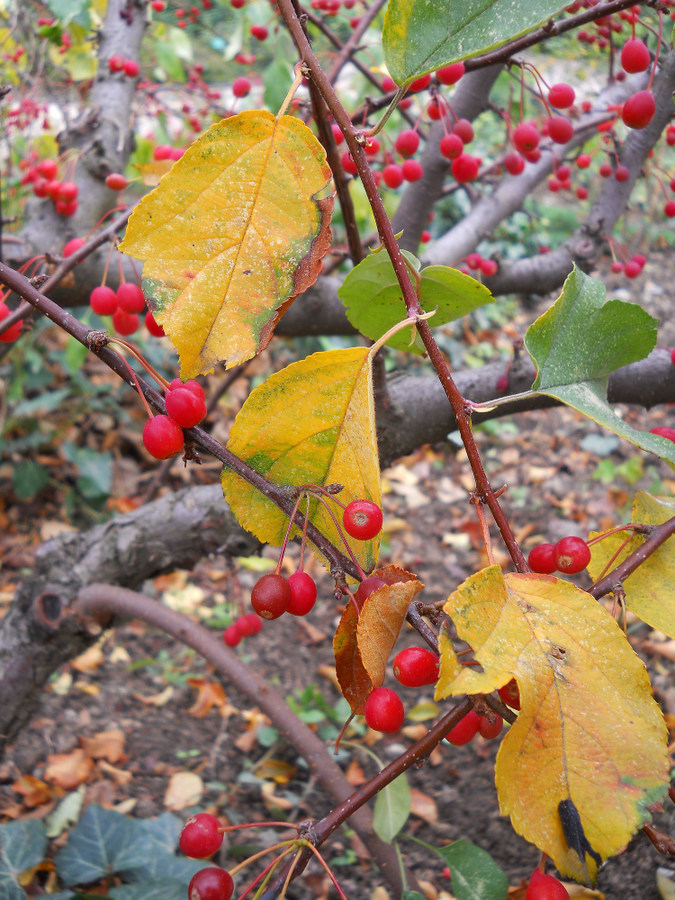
[(186, 407), (122, 304), (488, 726), (183, 16), (570, 555), (475, 262), (200, 838), (242, 627), (45, 183), (166, 151), (129, 67), (632, 267), (413, 667), (273, 595)]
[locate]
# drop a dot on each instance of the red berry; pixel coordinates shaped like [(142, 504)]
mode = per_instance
[(369, 585), (116, 181), (541, 559), (103, 300), (162, 437), (474, 261), (72, 245), (669, 209), (253, 624), (185, 407), (525, 137), (384, 710), (348, 163), (116, 63), (232, 635), (514, 163), (632, 269), (388, 84), (451, 146), (162, 151), (545, 887), (420, 84), (617, 266), (581, 192), (464, 168), (303, 593), (337, 134), (125, 323), (66, 208), (502, 384), (13, 332), (68, 191), (412, 170), (40, 187), (635, 56), (561, 96), (489, 730), (200, 836), (572, 554), (158, 5), (190, 385), (130, 297), (407, 142), (425, 237), (450, 74), (362, 519), (153, 327), (638, 110), (416, 666), (583, 160), (621, 173), (664, 431), (392, 175), (605, 170), (510, 694), (463, 129), (372, 147), (241, 86), (211, 883), (48, 168), (270, 596), (465, 730), (131, 68), (488, 267), (259, 32), (560, 129)]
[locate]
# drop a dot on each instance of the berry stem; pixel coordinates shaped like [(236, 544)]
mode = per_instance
[(138, 388), (287, 535), (344, 540), (141, 359), (304, 536)]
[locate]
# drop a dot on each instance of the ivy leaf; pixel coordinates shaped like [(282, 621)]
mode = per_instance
[(232, 234), (311, 423), (579, 341), (392, 808), (23, 845), (372, 297), (420, 36), (374, 638), (475, 875), (649, 591), (587, 754)]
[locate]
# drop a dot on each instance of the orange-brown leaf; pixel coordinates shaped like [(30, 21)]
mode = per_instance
[(68, 770), (210, 694), (105, 745)]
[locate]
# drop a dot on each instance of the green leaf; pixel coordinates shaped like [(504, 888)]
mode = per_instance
[(412, 895), (75, 355), (22, 845), (392, 809), (475, 875), (579, 341), (157, 889), (420, 36), (278, 75), (372, 296), (28, 479), (103, 843), (95, 470)]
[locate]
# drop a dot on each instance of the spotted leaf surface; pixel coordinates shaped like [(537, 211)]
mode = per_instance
[(587, 754), (232, 233)]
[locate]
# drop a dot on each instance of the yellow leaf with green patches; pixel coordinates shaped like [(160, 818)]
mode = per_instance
[(231, 235), (311, 423), (650, 590), (587, 754)]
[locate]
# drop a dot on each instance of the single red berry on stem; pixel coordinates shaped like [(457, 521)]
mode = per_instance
[(270, 596), (13, 332), (490, 729), (130, 297), (639, 110), (185, 407), (362, 519), (450, 74), (211, 883), (124, 323), (465, 730), (232, 635), (416, 666), (200, 836), (384, 710), (253, 623), (72, 245), (190, 385), (162, 437), (153, 326), (572, 554), (303, 593), (561, 96), (367, 587), (510, 694), (635, 56), (116, 181), (541, 559), (451, 146), (545, 887), (103, 300), (525, 137), (407, 142)]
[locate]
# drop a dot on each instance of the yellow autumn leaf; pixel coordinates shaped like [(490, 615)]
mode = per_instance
[(650, 590), (587, 754), (232, 234), (311, 423)]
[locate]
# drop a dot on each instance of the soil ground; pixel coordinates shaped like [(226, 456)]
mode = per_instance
[(564, 477)]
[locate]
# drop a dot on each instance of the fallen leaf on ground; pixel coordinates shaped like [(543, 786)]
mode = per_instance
[(107, 745), (184, 789), (68, 770)]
